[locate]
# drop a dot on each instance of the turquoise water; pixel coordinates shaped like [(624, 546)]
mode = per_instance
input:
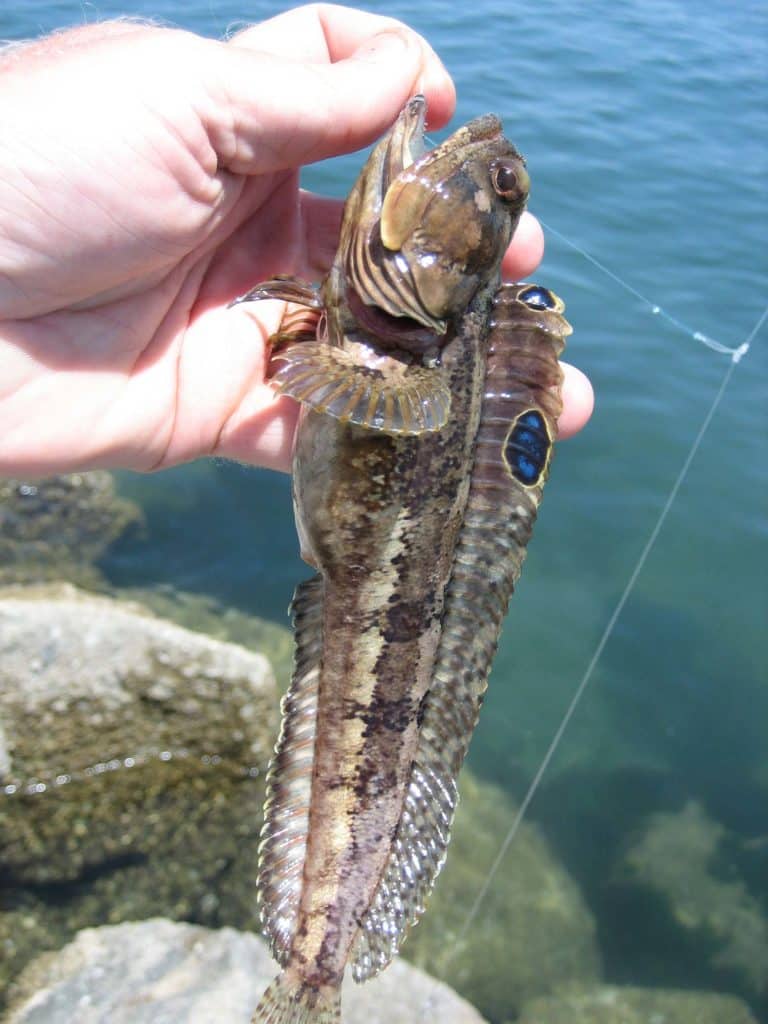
[(645, 126)]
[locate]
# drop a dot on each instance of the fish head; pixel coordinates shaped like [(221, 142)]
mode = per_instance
[(424, 229)]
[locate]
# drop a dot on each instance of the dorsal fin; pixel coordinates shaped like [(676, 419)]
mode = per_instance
[(518, 423), (289, 780)]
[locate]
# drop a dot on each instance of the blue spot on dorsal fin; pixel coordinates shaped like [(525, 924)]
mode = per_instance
[(526, 449)]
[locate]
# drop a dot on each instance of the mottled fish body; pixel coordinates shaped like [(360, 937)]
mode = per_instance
[(431, 395)]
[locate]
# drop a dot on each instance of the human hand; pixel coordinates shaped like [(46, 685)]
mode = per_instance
[(147, 177)]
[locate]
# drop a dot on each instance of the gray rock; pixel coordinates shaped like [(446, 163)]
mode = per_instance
[(57, 527), (610, 1005), (204, 614), (158, 972), (533, 932), (88, 678)]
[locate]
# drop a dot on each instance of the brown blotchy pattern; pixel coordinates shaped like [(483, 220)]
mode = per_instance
[(397, 504)]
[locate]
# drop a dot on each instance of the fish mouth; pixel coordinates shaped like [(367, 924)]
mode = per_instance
[(383, 290), (381, 293), (399, 331)]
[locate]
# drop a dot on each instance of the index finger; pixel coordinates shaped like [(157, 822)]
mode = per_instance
[(316, 82), (329, 33)]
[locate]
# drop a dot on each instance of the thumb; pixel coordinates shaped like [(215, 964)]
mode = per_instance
[(272, 112)]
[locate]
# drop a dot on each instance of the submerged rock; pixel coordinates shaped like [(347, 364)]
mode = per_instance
[(676, 857), (158, 972), (57, 527), (626, 1005), (533, 932)]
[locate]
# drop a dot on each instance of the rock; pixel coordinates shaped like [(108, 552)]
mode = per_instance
[(56, 528), (676, 857), (533, 932), (90, 678), (158, 972), (609, 1005), (204, 614), (133, 756)]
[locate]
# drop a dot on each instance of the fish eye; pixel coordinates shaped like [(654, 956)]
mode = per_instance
[(537, 297), (509, 180)]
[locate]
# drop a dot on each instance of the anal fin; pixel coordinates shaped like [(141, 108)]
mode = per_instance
[(417, 857), (289, 781)]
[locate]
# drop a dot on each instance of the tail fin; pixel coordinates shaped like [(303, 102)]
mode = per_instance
[(290, 1001)]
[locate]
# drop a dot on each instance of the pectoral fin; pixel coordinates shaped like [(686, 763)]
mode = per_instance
[(301, 318), (392, 397)]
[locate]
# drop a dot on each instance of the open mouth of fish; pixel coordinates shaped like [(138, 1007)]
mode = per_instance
[(392, 270)]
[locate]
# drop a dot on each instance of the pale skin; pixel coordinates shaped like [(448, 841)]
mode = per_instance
[(147, 177)]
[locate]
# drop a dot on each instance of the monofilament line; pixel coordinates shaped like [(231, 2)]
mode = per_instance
[(713, 343), (585, 679)]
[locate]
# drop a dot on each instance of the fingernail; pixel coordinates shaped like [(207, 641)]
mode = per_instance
[(436, 81)]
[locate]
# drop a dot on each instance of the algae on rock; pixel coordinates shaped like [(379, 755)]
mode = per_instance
[(57, 527), (629, 1005), (675, 857)]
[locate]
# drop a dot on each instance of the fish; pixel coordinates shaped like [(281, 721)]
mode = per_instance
[(430, 393)]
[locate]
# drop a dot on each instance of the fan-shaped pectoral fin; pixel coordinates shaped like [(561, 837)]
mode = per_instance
[(391, 397)]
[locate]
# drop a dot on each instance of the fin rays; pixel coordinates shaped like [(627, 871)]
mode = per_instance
[(289, 780), (413, 400), (289, 1002)]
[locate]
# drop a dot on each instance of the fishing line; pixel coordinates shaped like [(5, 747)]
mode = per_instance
[(713, 343), (736, 355), (44, 784)]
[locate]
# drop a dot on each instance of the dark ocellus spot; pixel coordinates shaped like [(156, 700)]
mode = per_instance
[(527, 447), (537, 297)]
